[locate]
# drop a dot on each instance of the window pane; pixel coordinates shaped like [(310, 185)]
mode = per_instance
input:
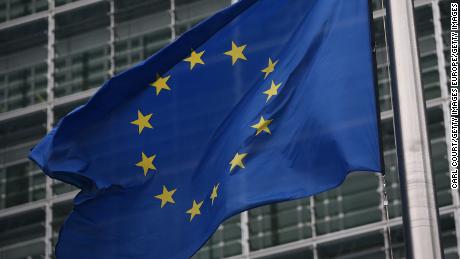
[(356, 202), (225, 242), (142, 28), (23, 66), (382, 65), (82, 50), (427, 48), (190, 12), (12, 9), (22, 235), (357, 247), (444, 7), (279, 223), (20, 180)]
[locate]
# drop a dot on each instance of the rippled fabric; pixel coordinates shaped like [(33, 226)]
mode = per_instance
[(266, 101)]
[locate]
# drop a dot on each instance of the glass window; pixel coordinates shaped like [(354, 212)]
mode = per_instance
[(448, 238), (444, 8), (356, 202), (20, 180), (23, 65), (21, 235), (12, 9), (63, 2), (3, 11), (382, 65), (397, 242), (439, 163), (377, 4), (279, 223), (357, 247), (225, 242), (305, 253), (427, 49), (190, 12), (82, 49), (142, 28)]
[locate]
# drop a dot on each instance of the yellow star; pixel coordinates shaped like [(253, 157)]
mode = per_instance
[(236, 53), (147, 163), (262, 125), (166, 196), (214, 193), (195, 210), (142, 121), (161, 83), (195, 58), (270, 68), (237, 161), (273, 90)]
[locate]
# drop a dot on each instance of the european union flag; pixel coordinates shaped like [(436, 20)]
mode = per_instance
[(266, 101)]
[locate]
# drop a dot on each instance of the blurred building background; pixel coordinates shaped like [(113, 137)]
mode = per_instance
[(55, 54)]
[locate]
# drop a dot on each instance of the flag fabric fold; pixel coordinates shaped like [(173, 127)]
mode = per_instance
[(266, 101)]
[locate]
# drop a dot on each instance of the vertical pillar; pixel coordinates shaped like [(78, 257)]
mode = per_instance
[(420, 213), (173, 19), (244, 218), (313, 226), (112, 38), (49, 126)]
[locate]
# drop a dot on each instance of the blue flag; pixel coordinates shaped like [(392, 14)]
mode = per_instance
[(266, 101)]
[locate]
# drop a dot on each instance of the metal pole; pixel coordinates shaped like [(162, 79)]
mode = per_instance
[(420, 214)]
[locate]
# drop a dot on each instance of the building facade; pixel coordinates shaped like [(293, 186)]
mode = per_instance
[(54, 54)]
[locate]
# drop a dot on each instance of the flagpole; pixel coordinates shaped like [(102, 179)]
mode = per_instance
[(420, 214)]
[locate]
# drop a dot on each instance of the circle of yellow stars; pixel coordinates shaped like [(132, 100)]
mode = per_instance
[(236, 53)]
